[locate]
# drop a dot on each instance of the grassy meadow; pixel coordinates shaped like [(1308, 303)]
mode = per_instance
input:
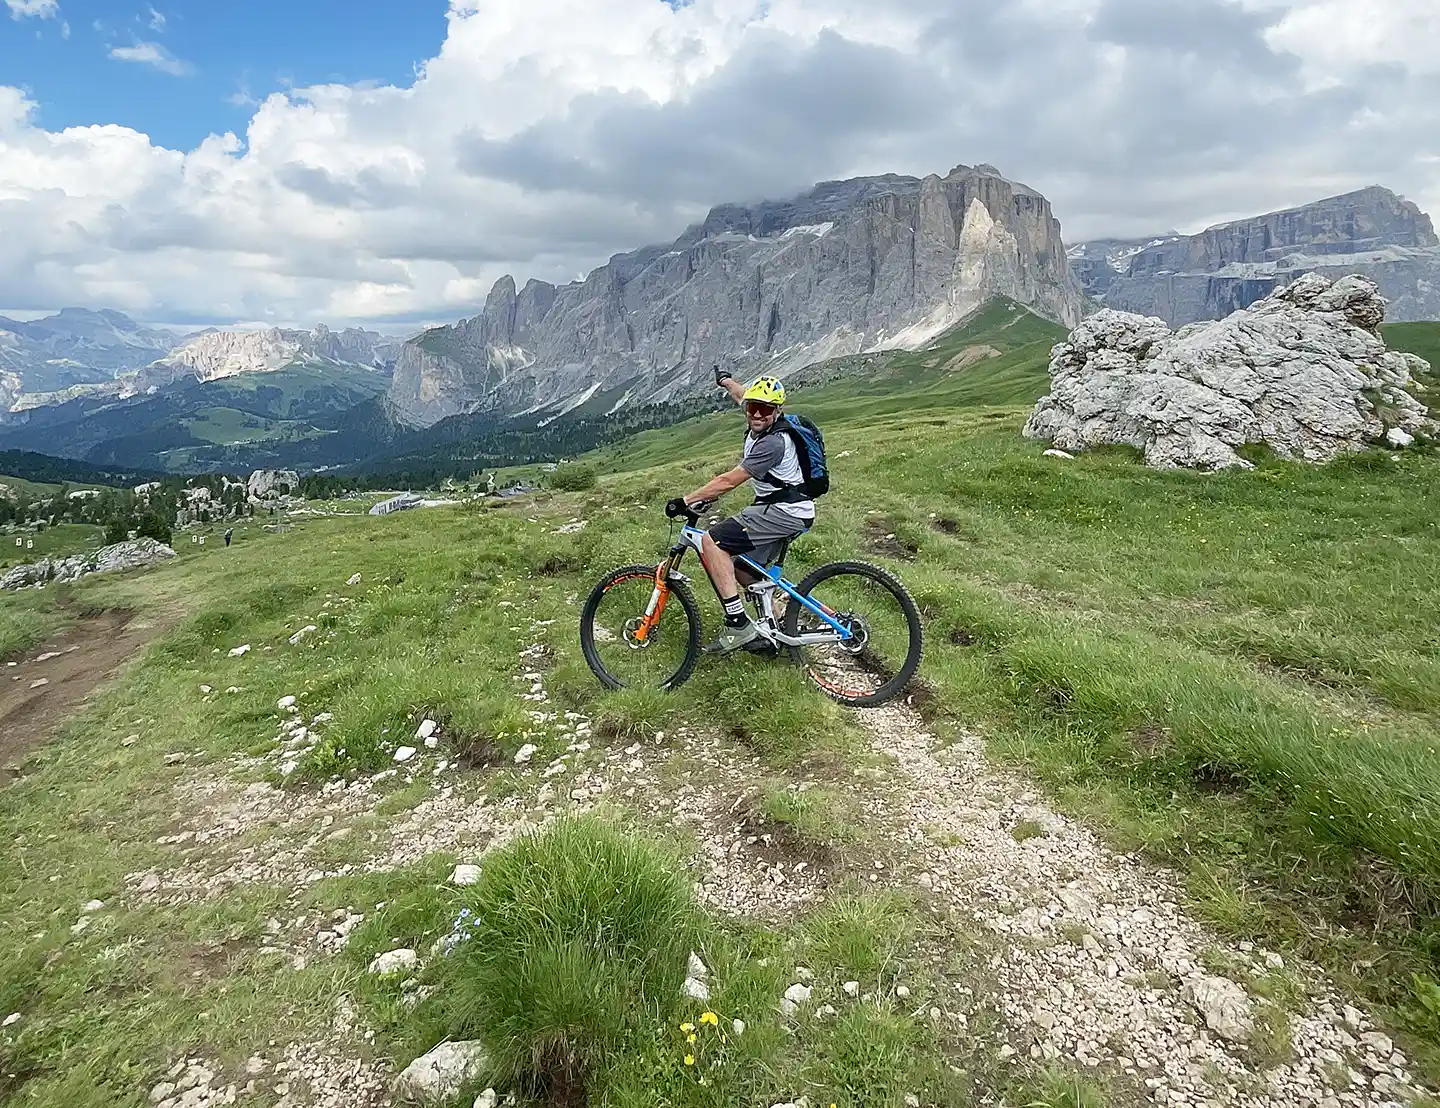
[(1237, 675)]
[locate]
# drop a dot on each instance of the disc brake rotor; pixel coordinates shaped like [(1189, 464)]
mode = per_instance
[(859, 632), (633, 626)]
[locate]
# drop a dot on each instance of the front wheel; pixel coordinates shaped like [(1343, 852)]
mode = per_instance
[(613, 614), (876, 664)]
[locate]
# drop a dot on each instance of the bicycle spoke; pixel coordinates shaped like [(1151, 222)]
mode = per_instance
[(883, 640), (632, 663)]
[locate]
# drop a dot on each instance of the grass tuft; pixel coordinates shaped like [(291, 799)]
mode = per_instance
[(575, 938)]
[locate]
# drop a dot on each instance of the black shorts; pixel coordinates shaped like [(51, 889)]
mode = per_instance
[(758, 532)]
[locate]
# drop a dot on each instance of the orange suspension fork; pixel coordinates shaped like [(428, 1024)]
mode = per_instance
[(658, 599)]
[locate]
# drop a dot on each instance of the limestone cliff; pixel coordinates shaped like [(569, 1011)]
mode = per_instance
[(865, 264), (1186, 278)]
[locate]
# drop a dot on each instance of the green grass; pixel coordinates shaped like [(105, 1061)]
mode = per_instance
[(1238, 674), (572, 936), (26, 619), (817, 816), (227, 426), (61, 541), (1422, 339)]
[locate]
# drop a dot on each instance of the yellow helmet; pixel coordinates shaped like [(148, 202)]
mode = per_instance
[(767, 390)]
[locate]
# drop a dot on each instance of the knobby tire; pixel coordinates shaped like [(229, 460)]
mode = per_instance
[(897, 682), (679, 592)]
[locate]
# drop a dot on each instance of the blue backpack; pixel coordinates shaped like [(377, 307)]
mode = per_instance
[(810, 450)]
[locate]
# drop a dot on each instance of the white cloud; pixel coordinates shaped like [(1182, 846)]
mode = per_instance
[(156, 21), (153, 55), (40, 9), (545, 135)]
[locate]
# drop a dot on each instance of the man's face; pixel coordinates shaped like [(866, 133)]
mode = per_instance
[(760, 415)]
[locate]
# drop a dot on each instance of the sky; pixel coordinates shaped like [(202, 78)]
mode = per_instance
[(383, 162)]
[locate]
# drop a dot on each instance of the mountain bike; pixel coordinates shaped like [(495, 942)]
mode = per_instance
[(852, 627)]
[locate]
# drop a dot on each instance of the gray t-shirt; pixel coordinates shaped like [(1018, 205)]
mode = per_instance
[(773, 455)]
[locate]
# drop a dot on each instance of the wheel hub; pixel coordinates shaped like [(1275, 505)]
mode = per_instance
[(632, 627), (859, 632)]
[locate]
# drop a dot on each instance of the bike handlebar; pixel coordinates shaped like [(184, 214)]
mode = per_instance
[(678, 509)]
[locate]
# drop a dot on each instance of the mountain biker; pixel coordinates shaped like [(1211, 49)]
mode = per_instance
[(780, 512)]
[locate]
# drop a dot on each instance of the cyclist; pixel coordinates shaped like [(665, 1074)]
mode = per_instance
[(780, 512)]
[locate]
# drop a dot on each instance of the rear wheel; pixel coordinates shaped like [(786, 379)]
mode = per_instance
[(884, 653), (608, 622)]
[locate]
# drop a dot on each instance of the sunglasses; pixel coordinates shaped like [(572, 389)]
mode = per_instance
[(759, 408)]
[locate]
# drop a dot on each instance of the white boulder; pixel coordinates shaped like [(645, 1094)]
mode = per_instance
[(1303, 371), (132, 554), (439, 1074), (1224, 1004), (394, 961), (465, 874)]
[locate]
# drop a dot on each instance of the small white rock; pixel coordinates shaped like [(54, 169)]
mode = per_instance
[(93, 906), (798, 993), (695, 989), (440, 1073), (405, 753), (487, 1099), (525, 753), (1054, 453), (465, 874), (354, 579), (426, 729), (737, 1026), (285, 703), (902, 991), (239, 650), (206, 689), (394, 961), (14, 1017)]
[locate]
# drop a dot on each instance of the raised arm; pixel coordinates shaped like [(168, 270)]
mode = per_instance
[(735, 388)]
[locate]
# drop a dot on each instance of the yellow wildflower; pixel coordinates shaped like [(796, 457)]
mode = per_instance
[(687, 1027), (690, 1038), (689, 1059), (710, 1018)]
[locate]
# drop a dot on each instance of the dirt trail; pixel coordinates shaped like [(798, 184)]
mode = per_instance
[(1097, 963), (40, 691)]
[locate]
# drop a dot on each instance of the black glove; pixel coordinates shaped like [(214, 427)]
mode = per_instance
[(676, 508), (721, 376)]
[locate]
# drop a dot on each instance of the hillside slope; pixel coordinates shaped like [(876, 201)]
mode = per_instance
[(1234, 676)]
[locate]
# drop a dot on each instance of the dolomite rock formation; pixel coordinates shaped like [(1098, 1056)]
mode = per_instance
[(870, 263), (1303, 371), (1185, 278)]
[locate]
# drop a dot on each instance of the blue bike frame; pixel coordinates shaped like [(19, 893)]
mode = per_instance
[(692, 537)]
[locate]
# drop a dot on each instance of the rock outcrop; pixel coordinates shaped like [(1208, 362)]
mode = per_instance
[(1303, 371), (271, 484), (1186, 278), (871, 263), (108, 559)]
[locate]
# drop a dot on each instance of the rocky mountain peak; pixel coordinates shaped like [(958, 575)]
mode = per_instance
[(1185, 278), (859, 264)]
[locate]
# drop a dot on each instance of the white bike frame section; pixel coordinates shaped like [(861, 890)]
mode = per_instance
[(764, 591)]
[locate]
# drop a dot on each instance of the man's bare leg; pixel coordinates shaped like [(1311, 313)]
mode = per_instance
[(720, 567)]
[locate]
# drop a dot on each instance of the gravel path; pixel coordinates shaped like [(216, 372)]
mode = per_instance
[(1095, 961)]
